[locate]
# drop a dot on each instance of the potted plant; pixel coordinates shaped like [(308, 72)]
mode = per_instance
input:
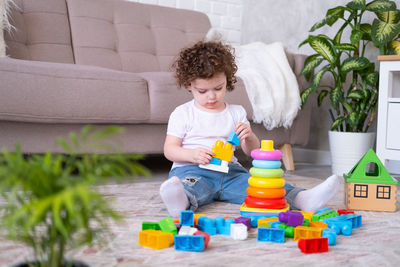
[(52, 203), (354, 92)]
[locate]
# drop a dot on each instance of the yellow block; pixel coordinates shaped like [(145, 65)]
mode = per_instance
[(301, 232), (155, 239), (264, 221), (307, 215), (223, 151), (318, 224), (267, 145)]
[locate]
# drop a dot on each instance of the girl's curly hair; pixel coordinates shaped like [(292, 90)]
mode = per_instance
[(203, 60)]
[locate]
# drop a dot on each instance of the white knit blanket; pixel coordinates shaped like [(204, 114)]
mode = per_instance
[(270, 83)]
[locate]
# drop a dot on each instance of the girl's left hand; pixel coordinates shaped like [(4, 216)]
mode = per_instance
[(243, 131)]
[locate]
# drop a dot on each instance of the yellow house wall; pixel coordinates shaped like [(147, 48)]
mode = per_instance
[(371, 203)]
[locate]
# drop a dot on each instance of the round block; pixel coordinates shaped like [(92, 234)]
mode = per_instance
[(266, 182), (266, 164), (265, 203), (267, 173), (266, 154), (260, 192)]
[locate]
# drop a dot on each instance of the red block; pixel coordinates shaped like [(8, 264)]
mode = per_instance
[(345, 212), (313, 245), (206, 237)]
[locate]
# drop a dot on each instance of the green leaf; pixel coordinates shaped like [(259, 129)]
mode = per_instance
[(347, 47), (336, 96), (355, 94), (365, 28), (382, 32), (331, 17), (381, 5), (318, 77), (321, 96), (337, 123), (323, 47), (310, 65), (352, 119), (303, 43), (392, 17), (347, 106), (372, 78), (304, 95), (357, 5), (356, 36), (354, 63), (395, 46)]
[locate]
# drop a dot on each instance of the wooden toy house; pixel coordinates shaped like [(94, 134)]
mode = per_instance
[(367, 189)]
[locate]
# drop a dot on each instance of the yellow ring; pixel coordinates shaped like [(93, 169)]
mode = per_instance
[(258, 172), (266, 182)]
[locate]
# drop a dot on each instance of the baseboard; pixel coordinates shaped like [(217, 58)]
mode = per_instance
[(318, 157)]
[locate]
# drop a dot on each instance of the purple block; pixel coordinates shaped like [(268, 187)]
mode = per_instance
[(246, 221), (291, 218)]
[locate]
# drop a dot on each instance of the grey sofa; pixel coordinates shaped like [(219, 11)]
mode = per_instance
[(104, 62)]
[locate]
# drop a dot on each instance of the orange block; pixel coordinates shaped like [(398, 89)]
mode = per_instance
[(318, 224), (301, 232), (266, 221)]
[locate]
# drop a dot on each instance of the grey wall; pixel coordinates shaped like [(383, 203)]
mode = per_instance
[(289, 21)]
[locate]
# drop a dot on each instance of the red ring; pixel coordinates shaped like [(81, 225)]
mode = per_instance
[(265, 203)]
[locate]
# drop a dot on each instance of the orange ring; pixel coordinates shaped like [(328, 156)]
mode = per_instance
[(260, 192), (265, 203)]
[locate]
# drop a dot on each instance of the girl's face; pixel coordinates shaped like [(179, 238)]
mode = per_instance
[(209, 94)]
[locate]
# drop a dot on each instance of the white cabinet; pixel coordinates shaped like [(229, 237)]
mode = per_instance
[(388, 132)]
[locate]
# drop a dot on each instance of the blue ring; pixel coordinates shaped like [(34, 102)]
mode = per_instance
[(267, 164)]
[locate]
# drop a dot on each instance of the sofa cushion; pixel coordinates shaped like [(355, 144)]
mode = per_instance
[(68, 93), (130, 36), (41, 31)]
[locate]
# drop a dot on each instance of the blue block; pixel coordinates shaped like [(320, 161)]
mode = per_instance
[(207, 225), (271, 234), (215, 161), (223, 225), (187, 217), (275, 224), (331, 235), (341, 226), (189, 242), (356, 219), (322, 210), (233, 139)]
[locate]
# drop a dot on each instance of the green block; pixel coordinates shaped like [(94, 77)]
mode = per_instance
[(289, 230), (168, 226), (306, 222), (150, 225)]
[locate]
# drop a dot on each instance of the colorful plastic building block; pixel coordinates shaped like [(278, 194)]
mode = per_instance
[(207, 225), (318, 224), (256, 216), (328, 213), (215, 161), (289, 230), (187, 217), (187, 230), (150, 225), (246, 221), (271, 234), (301, 232), (313, 245), (239, 231), (206, 237), (307, 215), (264, 221), (155, 239), (356, 219), (341, 226), (189, 242), (233, 139), (345, 212), (168, 226), (291, 218), (331, 235), (223, 225)]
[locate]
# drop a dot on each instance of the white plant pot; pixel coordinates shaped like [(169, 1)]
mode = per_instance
[(347, 149)]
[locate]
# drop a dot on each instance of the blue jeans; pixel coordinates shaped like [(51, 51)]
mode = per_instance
[(204, 186)]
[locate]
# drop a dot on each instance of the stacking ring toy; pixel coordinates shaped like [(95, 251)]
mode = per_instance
[(260, 192), (266, 172), (267, 164), (265, 203), (266, 154), (266, 182)]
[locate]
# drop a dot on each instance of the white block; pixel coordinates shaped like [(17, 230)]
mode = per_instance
[(239, 231), (187, 230), (219, 168)]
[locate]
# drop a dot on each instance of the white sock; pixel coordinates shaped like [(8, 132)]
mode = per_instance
[(173, 195), (316, 197)]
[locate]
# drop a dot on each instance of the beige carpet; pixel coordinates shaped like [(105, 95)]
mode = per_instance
[(376, 243)]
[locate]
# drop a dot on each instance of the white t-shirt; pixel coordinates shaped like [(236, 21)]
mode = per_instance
[(199, 128)]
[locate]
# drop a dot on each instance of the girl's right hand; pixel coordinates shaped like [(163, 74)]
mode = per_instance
[(201, 155)]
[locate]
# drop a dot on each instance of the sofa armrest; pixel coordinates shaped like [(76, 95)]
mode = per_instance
[(34, 91)]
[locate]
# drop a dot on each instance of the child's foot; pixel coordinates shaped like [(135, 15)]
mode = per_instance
[(173, 194), (316, 197)]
